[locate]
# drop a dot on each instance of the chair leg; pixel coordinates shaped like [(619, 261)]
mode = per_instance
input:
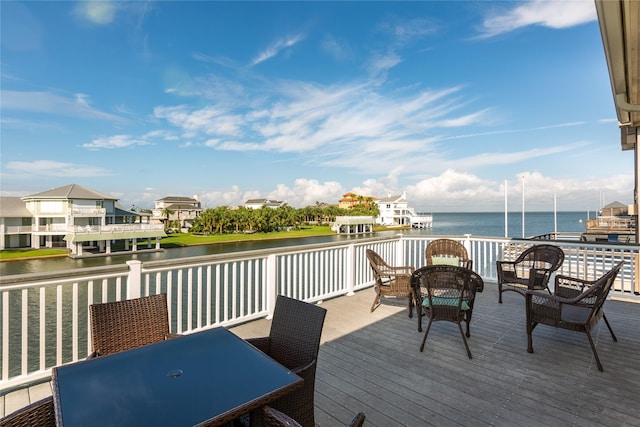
[(609, 326), (425, 334), (466, 345), (410, 306), (530, 327), (419, 314), (376, 302), (467, 319), (499, 293), (595, 353)]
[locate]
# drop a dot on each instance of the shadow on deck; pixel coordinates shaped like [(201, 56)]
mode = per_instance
[(371, 362)]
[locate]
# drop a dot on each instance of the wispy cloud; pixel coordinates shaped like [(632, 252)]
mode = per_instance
[(45, 102), (116, 141), (552, 14), (38, 169), (96, 12), (275, 48)]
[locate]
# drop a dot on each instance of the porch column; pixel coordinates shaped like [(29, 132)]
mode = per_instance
[(108, 247)]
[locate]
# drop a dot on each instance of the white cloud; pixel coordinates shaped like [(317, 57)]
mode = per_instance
[(275, 48), (100, 12), (116, 141), (552, 14), (45, 102), (38, 169)]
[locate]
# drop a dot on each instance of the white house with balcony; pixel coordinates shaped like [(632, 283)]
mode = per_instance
[(182, 210), (76, 218), (260, 203), (395, 212)]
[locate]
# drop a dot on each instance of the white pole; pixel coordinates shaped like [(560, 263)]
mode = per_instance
[(555, 216), (506, 217), (523, 206)]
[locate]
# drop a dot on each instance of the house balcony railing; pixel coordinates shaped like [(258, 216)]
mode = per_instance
[(88, 212), (45, 316), (113, 228), (15, 229)]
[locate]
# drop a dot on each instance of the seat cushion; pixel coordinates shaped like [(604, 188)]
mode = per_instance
[(445, 260), (574, 314), (452, 301)]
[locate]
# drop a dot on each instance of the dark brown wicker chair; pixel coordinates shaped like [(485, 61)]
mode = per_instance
[(447, 251), (576, 305), (390, 281), (294, 341), (123, 325), (530, 271), (275, 418), (37, 414), (446, 292)]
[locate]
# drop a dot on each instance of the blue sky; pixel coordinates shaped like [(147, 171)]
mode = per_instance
[(305, 101)]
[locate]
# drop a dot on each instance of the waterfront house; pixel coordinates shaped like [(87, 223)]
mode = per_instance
[(182, 210), (15, 223), (395, 212), (614, 224), (75, 218), (349, 200), (259, 203)]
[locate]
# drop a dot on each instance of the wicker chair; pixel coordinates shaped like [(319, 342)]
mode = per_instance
[(530, 271), (446, 292), (123, 325), (390, 281), (447, 251), (274, 418), (294, 341), (576, 305), (37, 414)]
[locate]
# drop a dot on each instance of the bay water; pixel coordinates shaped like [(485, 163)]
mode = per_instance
[(486, 224)]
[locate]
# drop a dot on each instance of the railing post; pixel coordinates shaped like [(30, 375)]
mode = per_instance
[(134, 281), (350, 270), (636, 275), (272, 288), (400, 251)]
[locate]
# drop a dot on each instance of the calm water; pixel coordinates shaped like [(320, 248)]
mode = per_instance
[(477, 224)]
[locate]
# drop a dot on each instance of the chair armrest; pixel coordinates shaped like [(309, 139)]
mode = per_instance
[(302, 370), (403, 269), (570, 287), (506, 269), (539, 277), (544, 298), (261, 343), (93, 355)]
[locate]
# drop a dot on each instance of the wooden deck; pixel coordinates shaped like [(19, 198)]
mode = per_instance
[(371, 362)]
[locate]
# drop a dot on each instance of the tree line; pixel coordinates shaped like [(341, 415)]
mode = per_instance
[(224, 219)]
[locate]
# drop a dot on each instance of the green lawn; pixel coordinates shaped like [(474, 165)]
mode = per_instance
[(186, 239), (182, 239), (30, 253)]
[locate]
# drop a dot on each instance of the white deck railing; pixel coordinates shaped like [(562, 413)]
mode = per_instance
[(45, 317)]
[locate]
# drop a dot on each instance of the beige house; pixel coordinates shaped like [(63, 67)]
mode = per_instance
[(184, 210), (75, 218)]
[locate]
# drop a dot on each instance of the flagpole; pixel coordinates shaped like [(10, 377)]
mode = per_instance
[(506, 216), (523, 206)]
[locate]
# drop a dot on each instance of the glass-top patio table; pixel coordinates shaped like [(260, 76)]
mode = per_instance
[(206, 378)]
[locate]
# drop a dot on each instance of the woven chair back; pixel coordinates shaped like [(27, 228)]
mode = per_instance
[(123, 325), (37, 414), (447, 248)]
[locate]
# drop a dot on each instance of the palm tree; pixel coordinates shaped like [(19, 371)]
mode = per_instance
[(167, 214)]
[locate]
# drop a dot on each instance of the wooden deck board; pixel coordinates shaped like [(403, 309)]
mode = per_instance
[(371, 362)]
